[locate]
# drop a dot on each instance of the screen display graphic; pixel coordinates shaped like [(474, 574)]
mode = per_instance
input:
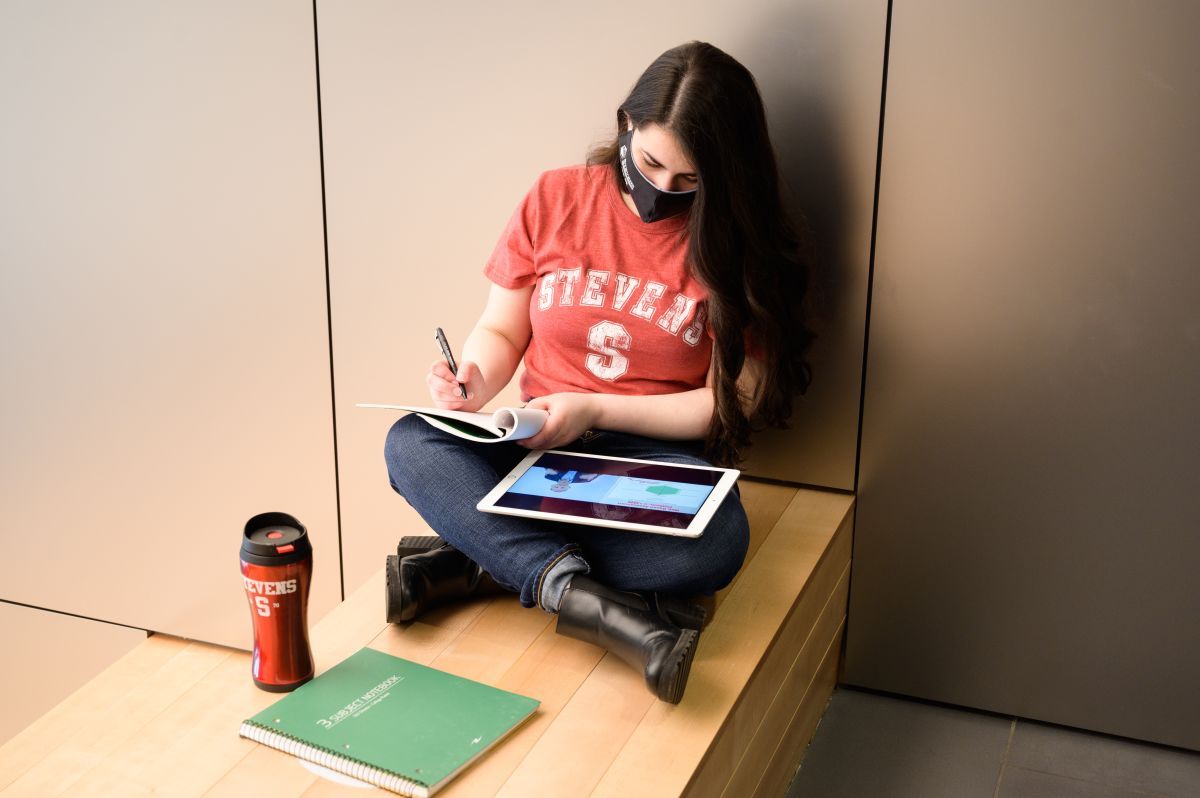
[(659, 494)]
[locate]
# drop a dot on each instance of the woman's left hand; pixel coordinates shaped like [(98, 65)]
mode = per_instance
[(571, 414)]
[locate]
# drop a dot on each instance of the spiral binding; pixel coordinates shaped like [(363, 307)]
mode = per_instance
[(334, 761)]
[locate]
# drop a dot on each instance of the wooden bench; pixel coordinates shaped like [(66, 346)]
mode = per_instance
[(164, 719)]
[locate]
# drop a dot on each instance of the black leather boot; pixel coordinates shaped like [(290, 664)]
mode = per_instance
[(432, 578), (628, 626), (417, 544), (678, 610), (682, 612)]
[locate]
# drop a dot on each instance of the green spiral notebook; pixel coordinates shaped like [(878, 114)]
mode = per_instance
[(390, 722)]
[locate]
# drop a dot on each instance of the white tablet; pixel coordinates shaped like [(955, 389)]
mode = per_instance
[(614, 492)]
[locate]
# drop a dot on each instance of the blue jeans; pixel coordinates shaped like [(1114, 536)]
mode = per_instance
[(443, 477)]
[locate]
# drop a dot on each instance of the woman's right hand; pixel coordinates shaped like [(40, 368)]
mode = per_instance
[(443, 385)]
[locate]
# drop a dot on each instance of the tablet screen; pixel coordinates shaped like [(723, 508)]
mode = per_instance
[(658, 494)]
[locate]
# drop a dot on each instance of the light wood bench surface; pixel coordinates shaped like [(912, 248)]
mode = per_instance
[(163, 720)]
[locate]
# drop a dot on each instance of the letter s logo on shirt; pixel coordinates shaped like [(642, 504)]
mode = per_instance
[(607, 338)]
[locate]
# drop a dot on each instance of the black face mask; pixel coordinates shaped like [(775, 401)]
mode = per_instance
[(651, 201)]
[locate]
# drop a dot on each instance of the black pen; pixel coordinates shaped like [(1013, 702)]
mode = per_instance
[(440, 337)]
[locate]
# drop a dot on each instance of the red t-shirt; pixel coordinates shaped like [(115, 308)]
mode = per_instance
[(614, 308)]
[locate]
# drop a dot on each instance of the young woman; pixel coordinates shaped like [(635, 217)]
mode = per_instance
[(653, 294)]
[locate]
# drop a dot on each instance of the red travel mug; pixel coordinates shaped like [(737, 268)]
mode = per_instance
[(276, 572)]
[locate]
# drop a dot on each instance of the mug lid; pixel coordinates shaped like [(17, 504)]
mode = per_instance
[(275, 535)]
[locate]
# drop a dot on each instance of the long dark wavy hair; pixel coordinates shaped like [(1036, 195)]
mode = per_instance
[(743, 246)]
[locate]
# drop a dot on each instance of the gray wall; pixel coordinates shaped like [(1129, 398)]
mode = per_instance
[(167, 328), (1026, 534), (435, 128), (163, 340)]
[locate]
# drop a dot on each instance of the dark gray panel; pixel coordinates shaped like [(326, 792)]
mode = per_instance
[(1098, 758), (1021, 783), (1027, 511), (870, 745)]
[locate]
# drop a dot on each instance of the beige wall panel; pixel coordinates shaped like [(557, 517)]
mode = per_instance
[(163, 333), (35, 674), (821, 75), (437, 120)]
